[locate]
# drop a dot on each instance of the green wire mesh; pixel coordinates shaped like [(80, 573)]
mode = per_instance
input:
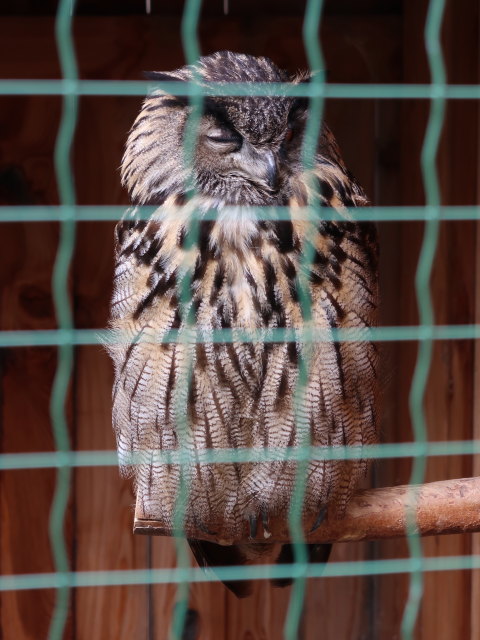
[(340, 91), (66, 337)]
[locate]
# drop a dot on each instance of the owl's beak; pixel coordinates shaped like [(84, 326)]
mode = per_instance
[(260, 166), (271, 170)]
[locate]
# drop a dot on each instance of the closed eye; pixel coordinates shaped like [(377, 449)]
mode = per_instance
[(223, 135), (224, 139)]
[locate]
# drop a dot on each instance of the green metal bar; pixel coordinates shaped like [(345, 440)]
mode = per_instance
[(63, 26), (52, 337), (81, 459), (81, 579), (337, 91), (422, 287), (103, 213)]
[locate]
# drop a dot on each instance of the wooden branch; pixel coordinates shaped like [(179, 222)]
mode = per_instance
[(451, 506)]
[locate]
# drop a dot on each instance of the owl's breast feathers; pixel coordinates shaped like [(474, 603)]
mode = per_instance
[(245, 274)]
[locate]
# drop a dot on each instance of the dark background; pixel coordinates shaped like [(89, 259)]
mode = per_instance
[(364, 41)]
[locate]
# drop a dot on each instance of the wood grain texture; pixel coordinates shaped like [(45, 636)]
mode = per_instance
[(448, 403), (102, 515), (26, 375), (103, 501)]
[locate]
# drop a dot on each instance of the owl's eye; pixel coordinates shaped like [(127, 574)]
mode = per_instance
[(289, 134), (225, 137)]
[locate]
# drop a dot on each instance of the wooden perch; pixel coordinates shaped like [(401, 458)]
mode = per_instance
[(451, 506)]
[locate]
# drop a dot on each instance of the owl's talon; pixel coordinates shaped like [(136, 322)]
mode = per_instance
[(253, 526), (319, 520), (266, 531), (204, 529)]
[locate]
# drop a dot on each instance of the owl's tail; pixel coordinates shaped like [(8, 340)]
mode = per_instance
[(317, 553), (211, 555)]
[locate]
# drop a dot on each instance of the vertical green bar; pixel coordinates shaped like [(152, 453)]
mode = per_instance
[(62, 307), (424, 300), (192, 53), (311, 26)]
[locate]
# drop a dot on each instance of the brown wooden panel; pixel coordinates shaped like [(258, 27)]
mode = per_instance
[(26, 496), (26, 261), (104, 540), (103, 502), (448, 402)]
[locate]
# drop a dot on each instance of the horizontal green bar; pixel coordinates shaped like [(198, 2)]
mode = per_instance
[(251, 572), (55, 337), (361, 214), (140, 88), (80, 459)]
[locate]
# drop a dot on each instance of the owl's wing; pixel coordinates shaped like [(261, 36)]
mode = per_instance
[(144, 309), (345, 296)]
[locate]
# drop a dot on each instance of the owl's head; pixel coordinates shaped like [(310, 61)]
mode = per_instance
[(247, 148)]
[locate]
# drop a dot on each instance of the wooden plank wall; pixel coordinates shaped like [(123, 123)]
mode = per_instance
[(381, 142), (449, 398)]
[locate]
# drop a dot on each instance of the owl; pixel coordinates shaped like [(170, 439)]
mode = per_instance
[(187, 270)]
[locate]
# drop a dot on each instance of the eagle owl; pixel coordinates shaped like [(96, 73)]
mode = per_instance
[(243, 273)]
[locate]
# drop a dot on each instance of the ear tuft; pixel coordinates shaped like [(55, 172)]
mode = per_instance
[(300, 103), (304, 77), (301, 77), (179, 95), (161, 76)]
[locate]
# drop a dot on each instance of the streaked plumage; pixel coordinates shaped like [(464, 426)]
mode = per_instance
[(244, 275)]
